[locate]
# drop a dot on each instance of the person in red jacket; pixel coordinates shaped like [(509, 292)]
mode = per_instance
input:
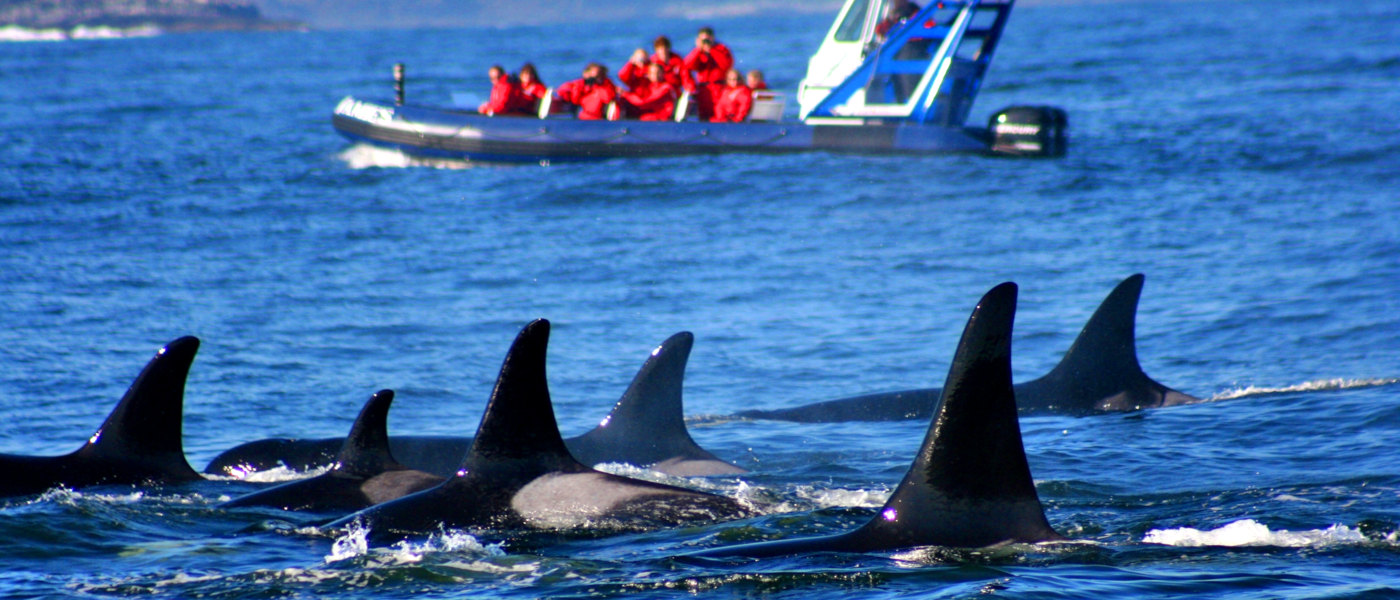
[(653, 99), (506, 98), (591, 94), (735, 100), (531, 88), (676, 73), (754, 79), (634, 72), (709, 61)]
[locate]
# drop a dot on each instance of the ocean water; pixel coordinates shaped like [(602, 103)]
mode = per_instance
[(1244, 155)]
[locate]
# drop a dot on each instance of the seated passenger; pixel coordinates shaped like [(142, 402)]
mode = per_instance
[(735, 100), (634, 72), (506, 98), (709, 61), (676, 73), (653, 99), (591, 94), (530, 85), (754, 80)]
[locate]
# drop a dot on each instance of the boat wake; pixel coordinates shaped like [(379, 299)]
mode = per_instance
[(366, 156), (1320, 385)]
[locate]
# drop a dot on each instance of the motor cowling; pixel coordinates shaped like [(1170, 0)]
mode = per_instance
[(1029, 131)]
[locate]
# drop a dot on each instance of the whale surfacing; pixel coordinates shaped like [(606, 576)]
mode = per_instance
[(969, 486), (365, 472), (1100, 373), (139, 443), (520, 475), (646, 428)]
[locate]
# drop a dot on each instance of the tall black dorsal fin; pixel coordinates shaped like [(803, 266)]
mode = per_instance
[(970, 485), (648, 424), (1101, 369), (146, 425), (366, 450), (519, 419)]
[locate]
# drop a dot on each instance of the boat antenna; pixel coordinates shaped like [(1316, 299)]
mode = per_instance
[(398, 84)]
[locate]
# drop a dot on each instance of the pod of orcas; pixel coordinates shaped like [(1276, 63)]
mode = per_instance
[(969, 484)]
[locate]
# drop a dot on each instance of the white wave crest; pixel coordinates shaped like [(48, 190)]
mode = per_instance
[(15, 33), (828, 498), (355, 543), (1249, 532), (366, 156), (71, 497), (279, 474), (1320, 385)]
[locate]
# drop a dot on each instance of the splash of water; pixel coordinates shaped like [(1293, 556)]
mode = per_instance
[(1249, 532)]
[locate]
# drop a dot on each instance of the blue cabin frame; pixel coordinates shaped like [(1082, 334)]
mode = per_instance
[(928, 69)]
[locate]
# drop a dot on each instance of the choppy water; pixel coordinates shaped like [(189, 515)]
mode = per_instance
[(1244, 155)]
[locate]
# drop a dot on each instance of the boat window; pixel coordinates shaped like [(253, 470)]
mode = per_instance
[(971, 47), (852, 27), (983, 19)]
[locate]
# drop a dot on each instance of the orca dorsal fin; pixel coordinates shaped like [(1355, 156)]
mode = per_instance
[(366, 450), (146, 425), (649, 421), (970, 484), (518, 423), (1101, 372), (1108, 342)]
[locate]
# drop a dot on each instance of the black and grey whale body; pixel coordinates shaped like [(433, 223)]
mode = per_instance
[(970, 485), (518, 473), (1100, 373), (646, 428), (140, 443), (364, 473)]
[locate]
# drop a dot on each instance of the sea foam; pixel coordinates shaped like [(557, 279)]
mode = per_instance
[(1249, 532)]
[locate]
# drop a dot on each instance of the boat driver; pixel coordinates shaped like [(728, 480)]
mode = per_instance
[(506, 97)]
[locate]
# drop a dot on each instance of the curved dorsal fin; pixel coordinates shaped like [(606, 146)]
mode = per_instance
[(1101, 369), (648, 424), (146, 425), (970, 484), (519, 420), (366, 450)]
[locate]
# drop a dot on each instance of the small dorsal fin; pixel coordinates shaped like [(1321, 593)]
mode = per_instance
[(519, 420), (647, 425), (1101, 369), (366, 450), (146, 425), (970, 484)]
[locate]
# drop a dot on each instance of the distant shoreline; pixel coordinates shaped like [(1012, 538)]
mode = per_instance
[(137, 28)]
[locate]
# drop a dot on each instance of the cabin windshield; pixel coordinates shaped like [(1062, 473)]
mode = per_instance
[(926, 67), (852, 28)]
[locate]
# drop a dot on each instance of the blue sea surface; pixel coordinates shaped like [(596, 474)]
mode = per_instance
[(1244, 155)]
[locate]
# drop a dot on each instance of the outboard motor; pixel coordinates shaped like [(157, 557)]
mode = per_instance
[(1029, 131)]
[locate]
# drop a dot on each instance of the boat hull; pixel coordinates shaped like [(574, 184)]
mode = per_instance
[(444, 134)]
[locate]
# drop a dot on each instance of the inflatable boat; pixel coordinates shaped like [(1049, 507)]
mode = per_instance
[(868, 88)]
